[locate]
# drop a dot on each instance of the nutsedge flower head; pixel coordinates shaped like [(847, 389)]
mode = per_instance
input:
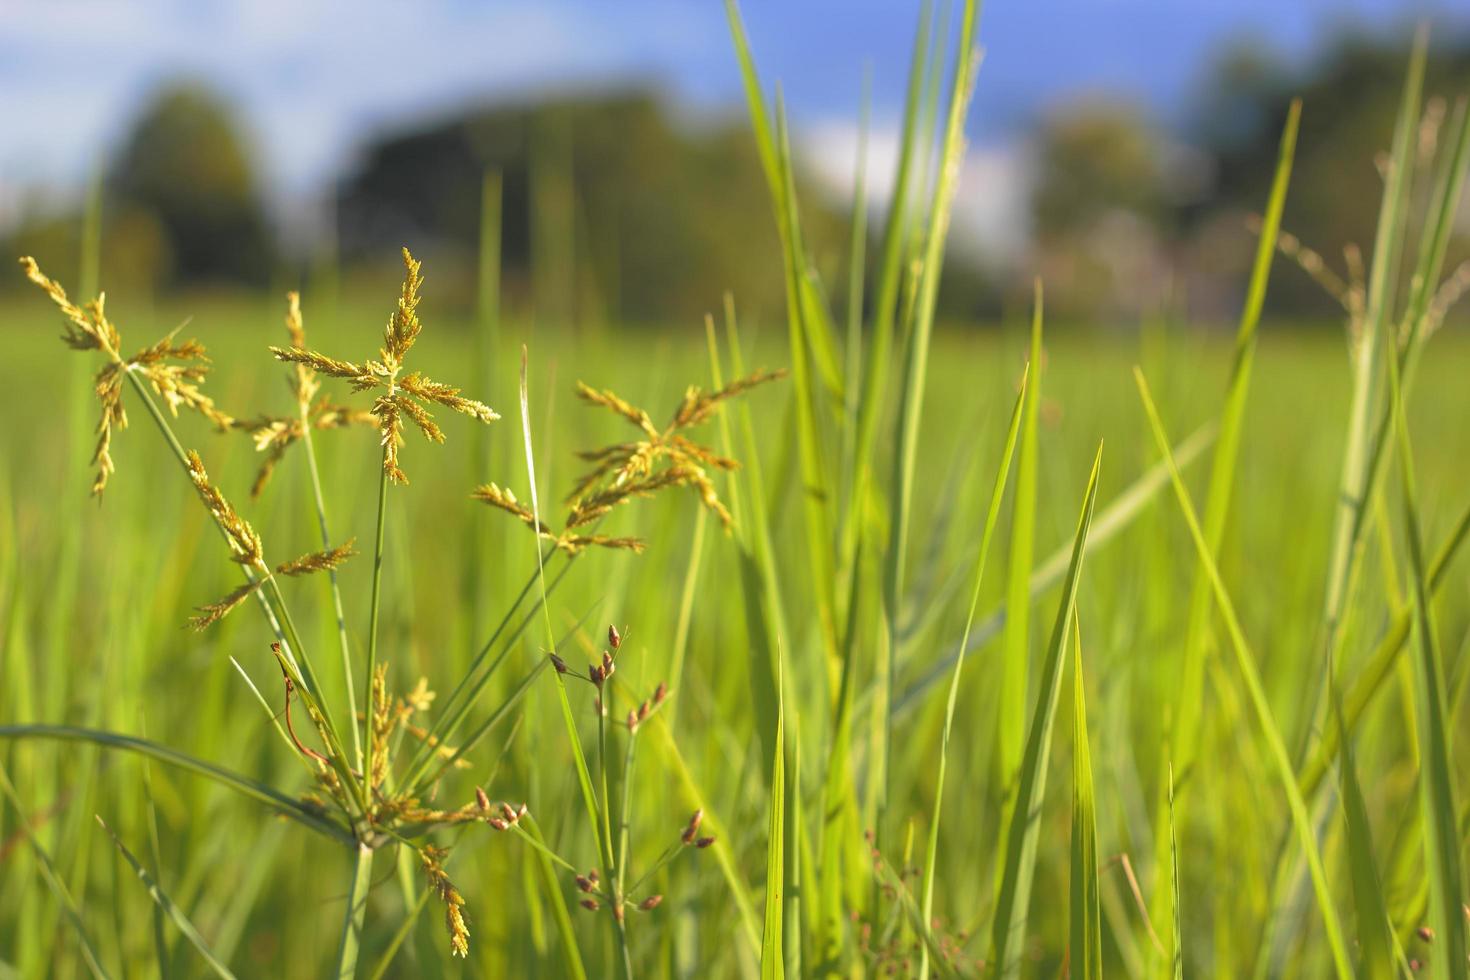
[(400, 397)]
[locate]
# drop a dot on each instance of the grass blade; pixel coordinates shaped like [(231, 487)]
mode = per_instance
[(1108, 524), (1177, 930), (992, 514), (350, 946), (1246, 663), (1375, 935), (54, 880), (584, 777), (773, 963), (168, 908), (244, 785), (1227, 447), (1442, 839), (1014, 898), (1086, 921), (1015, 658)]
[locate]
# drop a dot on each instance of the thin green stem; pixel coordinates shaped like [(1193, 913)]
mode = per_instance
[(321, 518), (611, 868), (273, 604), (357, 895)]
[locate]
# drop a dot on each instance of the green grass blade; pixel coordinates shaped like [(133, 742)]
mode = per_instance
[(1015, 658), (1353, 486), (911, 394), (1227, 447), (244, 785), (911, 398), (1107, 525), (1198, 632), (1382, 662), (584, 777), (992, 515), (1442, 839), (1023, 834), (1178, 929), (815, 495), (1086, 920), (804, 299), (773, 962), (559, 912), (1375, 935), (1245, 661), (174, 913), (355, 915), (889, 279), (54, 881)]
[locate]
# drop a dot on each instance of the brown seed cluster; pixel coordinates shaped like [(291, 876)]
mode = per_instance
[(399, 396)]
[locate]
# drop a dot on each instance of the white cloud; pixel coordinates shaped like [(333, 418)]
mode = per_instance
[(990, 206)]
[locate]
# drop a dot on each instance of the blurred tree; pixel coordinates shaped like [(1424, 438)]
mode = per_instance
[(186, 163), (1099, 208), (1350, 100), (610, 208)]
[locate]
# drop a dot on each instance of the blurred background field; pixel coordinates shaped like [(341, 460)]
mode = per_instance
[(626, 208)]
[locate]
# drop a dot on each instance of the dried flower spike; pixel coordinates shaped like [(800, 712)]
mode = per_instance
[(650, 903)]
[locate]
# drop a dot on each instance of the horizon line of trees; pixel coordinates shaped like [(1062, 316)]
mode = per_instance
[(609, 210)]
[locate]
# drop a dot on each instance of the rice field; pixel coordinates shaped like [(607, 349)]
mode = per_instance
[(659, 672)]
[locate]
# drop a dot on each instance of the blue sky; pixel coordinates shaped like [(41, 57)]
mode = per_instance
[(313, 77)]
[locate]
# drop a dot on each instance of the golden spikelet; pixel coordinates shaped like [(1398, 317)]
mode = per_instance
[(321, 363), (87, 329), (432, 859), (384, 721), (173, 370), (610, 400), (405, 396), (319, 561), (244, 542), (212, 612), (390, 423), (496, 496), (627, 471), (403, 326), (420, 417)]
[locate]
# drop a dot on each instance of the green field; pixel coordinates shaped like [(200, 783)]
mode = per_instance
[(1145, 712)]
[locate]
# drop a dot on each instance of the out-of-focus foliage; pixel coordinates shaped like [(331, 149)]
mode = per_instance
[(621, 212), (186, 163), (1099, 208), (1349, 99), (1126, 221)]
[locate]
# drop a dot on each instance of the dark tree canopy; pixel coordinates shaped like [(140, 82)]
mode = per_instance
[(607, 202), (1350, 97), (186, 162)]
